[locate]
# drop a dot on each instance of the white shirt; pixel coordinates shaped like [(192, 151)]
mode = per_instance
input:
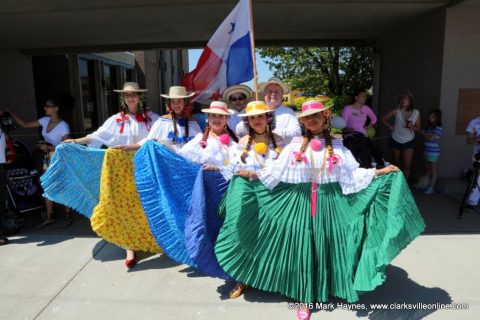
[(111, 134), (162, 130), (234, 120), (55, 136), (474, 128), (400, 132), (346, 171), (286, 124), (214, 153), (253, 161)]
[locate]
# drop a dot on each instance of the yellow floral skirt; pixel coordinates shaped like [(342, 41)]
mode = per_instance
[(119, 218)]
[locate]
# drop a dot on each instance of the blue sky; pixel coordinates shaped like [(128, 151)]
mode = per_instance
[(262, 68)]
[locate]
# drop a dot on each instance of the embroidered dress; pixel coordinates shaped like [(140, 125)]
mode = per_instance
[(123, 129), (286, 124), (119, 218), (202, 222), (73, 178), (327, 228), (162, 130), (69, 181), (164, 183), (186, 182)]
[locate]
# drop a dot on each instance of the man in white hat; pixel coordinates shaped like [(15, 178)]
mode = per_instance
[(237, 97), (286, 124)]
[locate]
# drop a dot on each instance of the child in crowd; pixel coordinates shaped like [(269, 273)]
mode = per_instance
[(432, 147)]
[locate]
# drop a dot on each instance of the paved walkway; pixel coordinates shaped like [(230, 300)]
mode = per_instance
[(57, 273)]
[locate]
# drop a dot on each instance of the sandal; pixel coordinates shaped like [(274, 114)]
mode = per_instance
[(46, 223), (237, 290), (68, 221)]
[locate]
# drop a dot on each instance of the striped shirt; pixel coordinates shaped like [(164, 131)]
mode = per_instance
[(432, 148)]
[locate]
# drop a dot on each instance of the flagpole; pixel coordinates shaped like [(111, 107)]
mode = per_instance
[(252, 40)]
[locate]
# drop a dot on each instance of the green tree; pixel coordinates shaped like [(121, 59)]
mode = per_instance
[(332, 71)]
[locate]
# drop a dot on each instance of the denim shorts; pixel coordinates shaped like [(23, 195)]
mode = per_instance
[(401, 146)]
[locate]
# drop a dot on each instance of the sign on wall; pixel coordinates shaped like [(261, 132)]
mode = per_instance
[(468, 108)]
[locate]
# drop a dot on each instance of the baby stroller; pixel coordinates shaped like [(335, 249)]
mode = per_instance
[(24, 192)]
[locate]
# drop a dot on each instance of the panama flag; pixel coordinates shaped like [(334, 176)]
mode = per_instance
[(227, 59)]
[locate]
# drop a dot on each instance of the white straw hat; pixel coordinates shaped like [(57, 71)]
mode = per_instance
[(310, 107), (130, 87), (254, 108), (177, 92), (218, 107), (239, 88), (285, 87)]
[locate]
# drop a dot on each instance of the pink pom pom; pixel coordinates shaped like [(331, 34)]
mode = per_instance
[(224, 139), (315, 144)]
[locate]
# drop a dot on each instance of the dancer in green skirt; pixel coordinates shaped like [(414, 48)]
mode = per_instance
[(316, 225), (254, 152)]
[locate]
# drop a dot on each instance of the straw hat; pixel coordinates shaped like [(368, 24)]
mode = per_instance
[(218, 107), (130, 87), (177, 92), (254, 108), (285, 87), (240, 88), (310, 107)]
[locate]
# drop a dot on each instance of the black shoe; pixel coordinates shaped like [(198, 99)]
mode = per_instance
[(3, 241), (469, 207)]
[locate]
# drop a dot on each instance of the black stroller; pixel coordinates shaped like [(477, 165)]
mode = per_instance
[(24, 192)]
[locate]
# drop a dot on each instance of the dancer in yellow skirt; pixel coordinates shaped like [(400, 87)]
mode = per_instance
[(119, 217)]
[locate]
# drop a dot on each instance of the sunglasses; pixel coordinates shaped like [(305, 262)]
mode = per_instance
[(237, 99), (47, 106)]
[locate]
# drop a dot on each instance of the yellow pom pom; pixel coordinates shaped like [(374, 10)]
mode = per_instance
[(278, 149), (260, 148), (371, 132)]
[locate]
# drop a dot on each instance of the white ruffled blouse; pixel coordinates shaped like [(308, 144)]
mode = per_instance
[(215, 153), (253, 161), (317, 165), (162, 130), (117, 130)]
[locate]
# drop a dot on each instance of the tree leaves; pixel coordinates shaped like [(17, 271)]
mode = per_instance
[(333, 71)]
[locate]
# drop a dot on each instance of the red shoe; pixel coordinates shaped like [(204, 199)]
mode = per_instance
[(130, 263), (303, 314)]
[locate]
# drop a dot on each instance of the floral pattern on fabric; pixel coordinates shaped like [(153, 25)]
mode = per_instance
[(119, 218)]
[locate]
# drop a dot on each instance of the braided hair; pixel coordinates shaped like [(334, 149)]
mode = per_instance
[(227, 130), (142, 111), (231, 133), (251, 134), (328, 142), (306, 140), (308, 136), (185, 115)]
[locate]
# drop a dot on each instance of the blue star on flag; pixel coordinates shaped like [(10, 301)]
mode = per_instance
[(233, 27)]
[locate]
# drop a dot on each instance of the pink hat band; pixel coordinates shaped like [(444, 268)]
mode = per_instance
[(312, 106), (221, 108)]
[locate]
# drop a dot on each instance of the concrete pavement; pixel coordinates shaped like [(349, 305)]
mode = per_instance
[(70, 273)]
